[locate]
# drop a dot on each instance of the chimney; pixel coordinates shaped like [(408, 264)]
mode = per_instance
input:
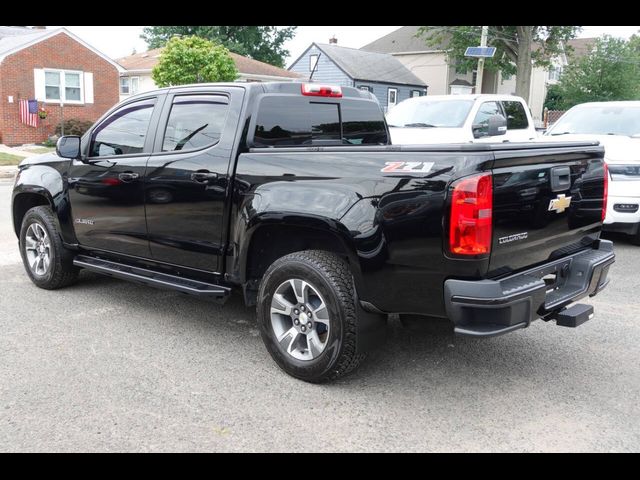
[(333, 40), (39, 28)]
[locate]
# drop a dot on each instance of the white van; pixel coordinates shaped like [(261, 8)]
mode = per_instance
[(460, 119)]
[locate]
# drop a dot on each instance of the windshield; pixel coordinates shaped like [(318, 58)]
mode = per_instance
[(426, 114), (604, 120)]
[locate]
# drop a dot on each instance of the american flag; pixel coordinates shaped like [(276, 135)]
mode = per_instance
[(26, 116)]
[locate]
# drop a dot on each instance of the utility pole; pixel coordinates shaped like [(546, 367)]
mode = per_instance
[(483, 43)]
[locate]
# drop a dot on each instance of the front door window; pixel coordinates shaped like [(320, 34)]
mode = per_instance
[(481, 122), (124, 132)]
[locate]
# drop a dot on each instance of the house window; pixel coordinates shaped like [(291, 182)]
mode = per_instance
[(554, 73), (366, 87), (63, 85), (124, 85), (416, 93), (313, 61), (392, 97), (129, 85)]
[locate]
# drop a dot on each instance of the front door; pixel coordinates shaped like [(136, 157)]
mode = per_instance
[(106, 189), (187, 176)]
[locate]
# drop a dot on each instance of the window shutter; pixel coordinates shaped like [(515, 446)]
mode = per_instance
[(38, 84), (88, 87)]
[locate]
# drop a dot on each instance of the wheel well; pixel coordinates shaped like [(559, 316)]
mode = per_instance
[(274, 241), (22, 204)]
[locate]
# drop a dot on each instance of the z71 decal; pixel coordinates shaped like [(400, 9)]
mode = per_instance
[(407, 167)]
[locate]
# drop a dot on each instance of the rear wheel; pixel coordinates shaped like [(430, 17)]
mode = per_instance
[(307, 315), (48, 264)]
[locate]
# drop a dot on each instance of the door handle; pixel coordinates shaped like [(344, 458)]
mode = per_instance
[(203, 176), (128, 176)]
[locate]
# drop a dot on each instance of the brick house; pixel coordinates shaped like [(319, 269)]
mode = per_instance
[(51, 66)]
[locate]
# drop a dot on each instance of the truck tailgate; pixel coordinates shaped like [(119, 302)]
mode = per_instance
[(547, 203)]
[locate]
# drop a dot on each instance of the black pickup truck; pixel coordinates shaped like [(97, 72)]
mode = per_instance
[(293, 193)]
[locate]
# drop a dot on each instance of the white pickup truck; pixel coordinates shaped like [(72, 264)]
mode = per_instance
[(461, 119)]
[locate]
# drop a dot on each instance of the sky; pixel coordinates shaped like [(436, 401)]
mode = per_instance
[(118, 42)]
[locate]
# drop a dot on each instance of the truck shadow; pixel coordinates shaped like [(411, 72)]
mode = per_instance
[(618, 239), (431, 354)]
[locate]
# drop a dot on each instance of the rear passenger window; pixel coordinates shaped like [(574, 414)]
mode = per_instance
[(516, 115), (195, 121), (285, 121)]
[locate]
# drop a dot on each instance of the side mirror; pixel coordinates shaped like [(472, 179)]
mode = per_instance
[(68, 147), (497, 125)]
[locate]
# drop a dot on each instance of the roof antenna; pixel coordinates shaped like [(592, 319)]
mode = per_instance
[(315, 66)]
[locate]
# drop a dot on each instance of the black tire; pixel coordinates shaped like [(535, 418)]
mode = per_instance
[(331, 277), (635, 239), (61, 272)]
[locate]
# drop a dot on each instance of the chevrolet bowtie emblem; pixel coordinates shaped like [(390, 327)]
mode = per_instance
[(559, 204)]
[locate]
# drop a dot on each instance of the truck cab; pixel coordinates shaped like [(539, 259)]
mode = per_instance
[(461, 119)]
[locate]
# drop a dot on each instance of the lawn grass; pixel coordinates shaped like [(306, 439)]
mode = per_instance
[(8, 159), (40, 149)]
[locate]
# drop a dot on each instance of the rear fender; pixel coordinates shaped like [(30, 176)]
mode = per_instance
[(301, 222)]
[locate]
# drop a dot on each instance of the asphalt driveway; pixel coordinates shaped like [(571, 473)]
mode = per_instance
[(107, 365)]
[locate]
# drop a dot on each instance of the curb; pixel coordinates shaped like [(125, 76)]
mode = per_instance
[(8, 174)]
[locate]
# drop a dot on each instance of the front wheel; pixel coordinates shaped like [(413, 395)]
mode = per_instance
[(307, 315), (47, 262)]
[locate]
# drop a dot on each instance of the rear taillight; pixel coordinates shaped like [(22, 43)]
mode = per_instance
[(606, 192), (471, 215), (317, 90)]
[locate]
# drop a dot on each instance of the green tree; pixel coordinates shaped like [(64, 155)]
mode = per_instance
[(554, 99), (258, 42), (515, 52), (193, 60), (610, 72)]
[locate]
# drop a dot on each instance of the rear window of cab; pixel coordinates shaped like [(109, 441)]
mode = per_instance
[(286, 121)]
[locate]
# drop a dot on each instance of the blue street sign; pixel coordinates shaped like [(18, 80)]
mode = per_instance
[(486, 52)]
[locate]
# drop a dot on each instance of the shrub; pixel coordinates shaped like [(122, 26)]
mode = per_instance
[(74, 126), (51, 141)]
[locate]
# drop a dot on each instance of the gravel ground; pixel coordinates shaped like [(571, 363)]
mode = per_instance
[(107, 365)]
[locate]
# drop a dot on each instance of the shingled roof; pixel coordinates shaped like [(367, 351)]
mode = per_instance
[(375, 67), (147, 60), (401, 40), (12, 38), (15, 39), (404, 40)]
